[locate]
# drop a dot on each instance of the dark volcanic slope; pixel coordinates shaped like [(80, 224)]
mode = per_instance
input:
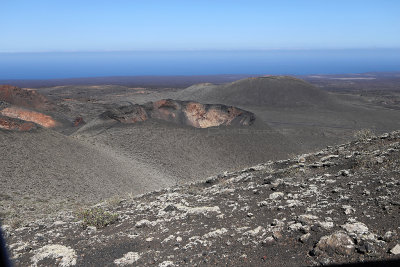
[(118, 153), (187, 152), (270, 91), (42, 166), (338, 205)]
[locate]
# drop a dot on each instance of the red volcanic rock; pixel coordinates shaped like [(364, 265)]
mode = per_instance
[(15, 124), (28, 115), (24, 97), (79, 121), (204, 116), (182, 112)]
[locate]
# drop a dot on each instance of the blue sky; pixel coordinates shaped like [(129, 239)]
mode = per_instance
[(114, 25)]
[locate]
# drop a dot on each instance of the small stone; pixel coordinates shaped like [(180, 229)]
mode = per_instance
[(307, 218), (143, 223), (170, 208), (348, 209), (91, 230), (277, 222), (323, 159), (268, 241), (295, 226), (304, 237), (366, 192), (277, 235), (263, 203), (365, 247), (325, 261), (326, 225), (388, 236), (384, 136), (166, 264), (267, 180), (395, 250), (276, 195)]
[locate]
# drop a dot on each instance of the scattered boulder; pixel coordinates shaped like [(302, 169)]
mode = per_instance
[(356, 228), (336, 243)]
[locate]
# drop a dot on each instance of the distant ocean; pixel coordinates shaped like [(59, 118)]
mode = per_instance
[(96, 64)]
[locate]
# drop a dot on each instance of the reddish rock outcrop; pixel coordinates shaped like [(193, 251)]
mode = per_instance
[(24, 97), (199, 116), (29, 116), (15, 124), (183, 112)]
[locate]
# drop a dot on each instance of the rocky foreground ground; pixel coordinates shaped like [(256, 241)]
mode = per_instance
[(338, 205)]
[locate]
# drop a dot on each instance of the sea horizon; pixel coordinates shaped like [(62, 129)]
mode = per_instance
[(84, 64)]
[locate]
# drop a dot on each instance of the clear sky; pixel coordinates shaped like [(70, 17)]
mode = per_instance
[(86, 25)]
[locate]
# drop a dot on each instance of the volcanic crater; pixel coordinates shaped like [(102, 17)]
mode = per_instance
[(182, 112)]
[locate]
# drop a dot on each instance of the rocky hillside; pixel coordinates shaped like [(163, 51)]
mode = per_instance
[(24, 107), (337, 205), (27, 98)]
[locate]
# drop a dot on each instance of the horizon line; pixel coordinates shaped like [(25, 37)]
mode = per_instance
[(196, 50), (200, 75)]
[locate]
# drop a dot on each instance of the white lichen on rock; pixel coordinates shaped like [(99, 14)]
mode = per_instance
[(216, 233), (357, 228), (128, 259), (166, 264), (68, 255), (198, 210)]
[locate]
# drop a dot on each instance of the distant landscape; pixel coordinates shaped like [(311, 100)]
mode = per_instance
[(106, 139)]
